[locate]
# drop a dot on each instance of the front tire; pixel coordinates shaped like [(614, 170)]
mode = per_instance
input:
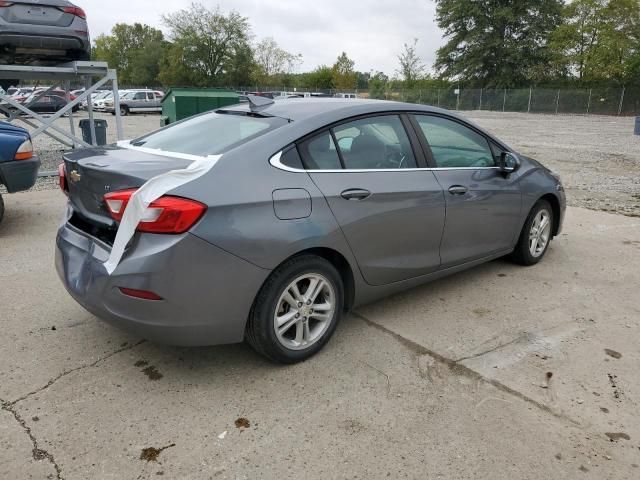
[(124, 111), (535, 236), (297, 310)]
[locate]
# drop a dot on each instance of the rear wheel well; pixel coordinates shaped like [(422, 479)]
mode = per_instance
[(555, 205), (343, 267)]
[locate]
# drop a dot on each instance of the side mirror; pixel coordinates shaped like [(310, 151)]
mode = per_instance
[(509, 162)]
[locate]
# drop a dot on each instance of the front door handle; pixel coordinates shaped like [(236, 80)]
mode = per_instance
[(355, 194), (457, 190)]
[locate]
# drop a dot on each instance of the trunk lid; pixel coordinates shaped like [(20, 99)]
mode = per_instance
[(92, 173), (38, 13)]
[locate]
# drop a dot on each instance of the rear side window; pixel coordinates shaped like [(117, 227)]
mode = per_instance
[(454, 145), (209, 134), (320, 153)]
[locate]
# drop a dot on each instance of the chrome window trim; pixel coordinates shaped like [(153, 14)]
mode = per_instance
[(275, 162)]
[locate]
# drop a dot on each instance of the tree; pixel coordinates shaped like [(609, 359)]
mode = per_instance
[(362, 80), (134, 50), (273, 62), (411, 66), (378, 86), (496, 43), (344, 77), (599, 40), (319, 79), (205, 44)]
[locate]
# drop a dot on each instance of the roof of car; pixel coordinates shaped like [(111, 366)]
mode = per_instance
[(303, 108)]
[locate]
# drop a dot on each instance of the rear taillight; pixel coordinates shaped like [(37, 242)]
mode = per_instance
[(5, 4), (25, 151), (77, 11), (62, 179), (165, 215)]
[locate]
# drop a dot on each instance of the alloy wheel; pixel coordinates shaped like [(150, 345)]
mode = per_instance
[(304, 311), (540, 233)]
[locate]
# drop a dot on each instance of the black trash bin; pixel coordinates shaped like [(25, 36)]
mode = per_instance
[(101, 130)]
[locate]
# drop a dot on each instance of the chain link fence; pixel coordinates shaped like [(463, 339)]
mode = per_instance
[(599, 101)]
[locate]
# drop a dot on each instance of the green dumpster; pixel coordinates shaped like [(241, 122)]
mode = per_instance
[(179, 103)]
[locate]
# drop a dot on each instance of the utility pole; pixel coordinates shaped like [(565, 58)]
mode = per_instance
[(504, 99), (529, 105), (480, 100), (557, 101), (589, 101)]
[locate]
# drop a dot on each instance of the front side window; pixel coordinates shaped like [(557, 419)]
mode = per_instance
[(375, 143), (209, 134), (454, 145)]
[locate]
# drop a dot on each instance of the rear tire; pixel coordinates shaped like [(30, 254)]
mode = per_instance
[(535, 236), (1, 208), (289, 324)]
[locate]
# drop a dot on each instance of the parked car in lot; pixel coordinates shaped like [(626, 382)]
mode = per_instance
[(96, 97), (137, 101), (49, 103), (43, 32), (18, 165), (316, 206)]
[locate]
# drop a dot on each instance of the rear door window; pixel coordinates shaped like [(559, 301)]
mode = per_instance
[(371, 143), (320, 153), (209, 134)]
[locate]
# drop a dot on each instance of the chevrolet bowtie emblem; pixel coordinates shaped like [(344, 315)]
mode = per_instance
[(74, 176)]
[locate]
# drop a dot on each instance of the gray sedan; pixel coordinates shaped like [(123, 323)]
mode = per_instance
[(316, 206), (43, 31)]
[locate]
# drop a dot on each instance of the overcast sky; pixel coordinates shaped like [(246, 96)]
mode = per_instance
[(372, 32)]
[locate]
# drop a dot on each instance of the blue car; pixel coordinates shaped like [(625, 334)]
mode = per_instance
[(18, 165)]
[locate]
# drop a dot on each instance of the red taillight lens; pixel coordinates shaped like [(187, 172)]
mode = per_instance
[(77, 11), (165, 215), (62, 179), (144, 294)]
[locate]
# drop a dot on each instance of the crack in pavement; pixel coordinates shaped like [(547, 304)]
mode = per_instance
[(459, 368), (491, 350), (67, 372), (36, 452)]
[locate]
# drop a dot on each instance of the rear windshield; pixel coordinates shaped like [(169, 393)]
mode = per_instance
[(209, 134)]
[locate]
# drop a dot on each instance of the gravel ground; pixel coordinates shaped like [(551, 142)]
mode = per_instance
[(598, 157)]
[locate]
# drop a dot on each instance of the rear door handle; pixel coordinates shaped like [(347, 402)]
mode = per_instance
[(457, 190), (355, 194)]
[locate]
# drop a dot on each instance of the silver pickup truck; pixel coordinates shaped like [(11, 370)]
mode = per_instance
[(137, 101)]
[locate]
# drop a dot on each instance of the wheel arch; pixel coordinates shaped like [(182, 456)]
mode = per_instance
[(555, 206), (340, 263)]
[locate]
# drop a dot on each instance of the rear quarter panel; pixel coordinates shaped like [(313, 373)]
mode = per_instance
[(241, 219)]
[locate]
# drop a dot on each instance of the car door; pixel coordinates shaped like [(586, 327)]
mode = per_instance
[(482, 204), (389, 206), (138, 102)]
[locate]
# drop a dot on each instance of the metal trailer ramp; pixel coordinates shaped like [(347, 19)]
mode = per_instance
[(92, 75)]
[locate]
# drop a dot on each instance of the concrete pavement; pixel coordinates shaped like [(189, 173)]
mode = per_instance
[(497, 372)]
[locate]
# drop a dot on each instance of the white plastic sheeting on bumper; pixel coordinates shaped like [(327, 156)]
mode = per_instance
[(153, 189)]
